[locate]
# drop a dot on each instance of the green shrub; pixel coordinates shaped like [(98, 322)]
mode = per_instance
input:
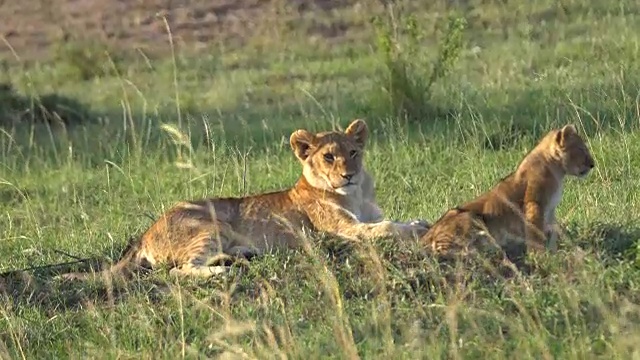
[(409, 76), (17, 109), (86, 60)]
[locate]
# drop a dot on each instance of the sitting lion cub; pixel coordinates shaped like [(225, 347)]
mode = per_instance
[(334, 195), (521, 207)]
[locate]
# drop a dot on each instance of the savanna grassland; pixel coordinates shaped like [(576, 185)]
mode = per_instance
[(112, 111)]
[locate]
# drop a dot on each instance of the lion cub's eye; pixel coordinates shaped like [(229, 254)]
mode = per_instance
[(353, 153), (328, 157)]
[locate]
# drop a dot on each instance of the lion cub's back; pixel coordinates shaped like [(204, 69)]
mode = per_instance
[(482, 223)]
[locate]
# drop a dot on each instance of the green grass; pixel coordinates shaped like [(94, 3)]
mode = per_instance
[(84, 189)]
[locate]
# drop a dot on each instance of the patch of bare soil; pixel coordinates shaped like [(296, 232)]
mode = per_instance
[(32, 28)]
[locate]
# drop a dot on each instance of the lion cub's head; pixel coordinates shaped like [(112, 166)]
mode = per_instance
[(571, 150), (332, 160)]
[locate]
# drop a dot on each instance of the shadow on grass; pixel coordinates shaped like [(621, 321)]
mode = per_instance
[(525, 115), (496, 121), (14, 196), (17, 109), (613, 242), (36, 286), (383, 273), (530, 114), (19, 289), (362, 271), (407, 271)]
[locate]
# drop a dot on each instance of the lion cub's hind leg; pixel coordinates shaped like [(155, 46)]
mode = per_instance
[(198, 271), (220, 248), (197, 261)]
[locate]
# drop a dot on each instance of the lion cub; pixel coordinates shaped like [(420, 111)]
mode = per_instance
[(521, 207), (334, 195)]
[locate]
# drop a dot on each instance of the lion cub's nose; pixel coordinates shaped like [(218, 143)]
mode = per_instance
[(347, 176)]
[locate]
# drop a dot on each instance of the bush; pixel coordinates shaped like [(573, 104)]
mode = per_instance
[(409, 77), (87, 60), (50, 108)]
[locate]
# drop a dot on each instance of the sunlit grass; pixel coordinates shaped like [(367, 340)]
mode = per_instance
[(82, 190)]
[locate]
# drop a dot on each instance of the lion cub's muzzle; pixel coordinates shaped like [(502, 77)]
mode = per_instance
[(347, 182), (588, 166)]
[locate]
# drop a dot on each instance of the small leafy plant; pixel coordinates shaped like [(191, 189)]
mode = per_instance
[(409, 76)]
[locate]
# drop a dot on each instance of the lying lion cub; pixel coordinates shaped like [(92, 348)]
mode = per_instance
[(521, 207), (334, 195)]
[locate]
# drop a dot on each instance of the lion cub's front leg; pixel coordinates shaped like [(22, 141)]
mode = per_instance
[(341, 222), (382, 229), (370, 212), (534, 227), (387, 228), (551, 229)]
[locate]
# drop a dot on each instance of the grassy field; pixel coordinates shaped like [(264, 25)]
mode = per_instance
[(84, 187)]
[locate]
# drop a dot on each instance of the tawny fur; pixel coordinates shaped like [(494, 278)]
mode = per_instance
[(521, 207), (334, 195)]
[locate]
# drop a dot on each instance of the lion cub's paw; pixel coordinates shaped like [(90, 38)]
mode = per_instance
[(420, 223), (416, 228), (69, 277)]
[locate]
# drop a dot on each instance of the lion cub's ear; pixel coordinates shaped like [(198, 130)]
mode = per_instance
[(564, 133), (358, 131), (302, 142)]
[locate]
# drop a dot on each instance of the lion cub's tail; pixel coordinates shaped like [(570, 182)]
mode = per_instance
[(126, 266)]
